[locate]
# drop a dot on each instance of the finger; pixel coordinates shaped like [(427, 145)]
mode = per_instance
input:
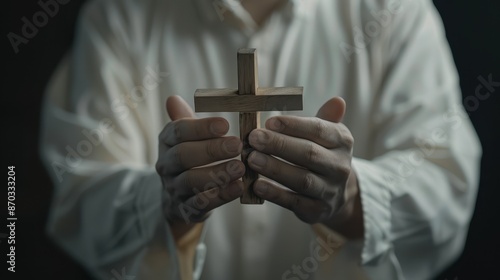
[(202, 179), (183, 130), (187, 155), (333, 110), (325, 133), (295, 178), (307, 209), (298, 151), (178, 108), (206, 201)]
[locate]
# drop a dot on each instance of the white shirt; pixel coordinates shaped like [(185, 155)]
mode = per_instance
[(416, 154)]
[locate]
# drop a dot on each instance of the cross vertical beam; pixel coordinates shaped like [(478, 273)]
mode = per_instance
[(248, 99), (248, 85)]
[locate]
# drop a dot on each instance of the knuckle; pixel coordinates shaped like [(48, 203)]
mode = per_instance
[(295, 204), (337, 202), (162, 170), (320, 128), (176, 156), (168, 163), (326, 208), (212, 149), (312, 153), (307, 182), (162, 135), (343, 171), (346, 137), (175, 131), (334, 193), (341, 199), (159, 168), (328, 194), (279, 144)]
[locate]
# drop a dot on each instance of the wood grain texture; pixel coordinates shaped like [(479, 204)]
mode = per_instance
[(248, 100), (267, 99), (247, 72), (248, 122), (248, 85)]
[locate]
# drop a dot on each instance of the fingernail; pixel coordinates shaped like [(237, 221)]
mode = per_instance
[(258, 159), (218, 127), (275, 124), (258, 139), (260, 188), (232, 145)]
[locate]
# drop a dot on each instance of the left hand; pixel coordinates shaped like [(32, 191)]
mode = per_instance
[(320, 185)]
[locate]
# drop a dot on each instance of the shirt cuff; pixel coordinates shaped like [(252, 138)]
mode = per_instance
[(376, 202)]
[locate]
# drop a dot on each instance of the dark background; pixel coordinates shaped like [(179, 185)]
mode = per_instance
[(473, 30)]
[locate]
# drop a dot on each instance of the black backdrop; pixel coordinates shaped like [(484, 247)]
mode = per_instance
[(473, 30)]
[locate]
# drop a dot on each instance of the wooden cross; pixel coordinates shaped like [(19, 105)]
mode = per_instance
[(248, 100)]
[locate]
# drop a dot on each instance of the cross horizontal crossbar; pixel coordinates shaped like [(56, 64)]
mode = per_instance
[(266, 99)]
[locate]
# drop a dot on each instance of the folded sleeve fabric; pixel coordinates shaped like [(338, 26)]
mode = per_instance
[(418, 187), (416, 154), (99, 144)]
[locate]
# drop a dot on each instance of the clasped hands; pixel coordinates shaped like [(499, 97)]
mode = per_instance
[(307, 161)]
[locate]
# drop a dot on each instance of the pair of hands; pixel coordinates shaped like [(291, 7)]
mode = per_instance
[(319, 184)]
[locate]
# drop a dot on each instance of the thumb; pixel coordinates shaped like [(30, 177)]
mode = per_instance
[(177, 108), (333, 110)]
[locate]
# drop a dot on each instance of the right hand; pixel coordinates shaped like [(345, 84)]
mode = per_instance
[(186, 145)]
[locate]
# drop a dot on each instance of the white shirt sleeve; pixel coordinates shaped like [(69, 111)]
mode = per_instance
[(107, 204), (418, 178), (418, 190)]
